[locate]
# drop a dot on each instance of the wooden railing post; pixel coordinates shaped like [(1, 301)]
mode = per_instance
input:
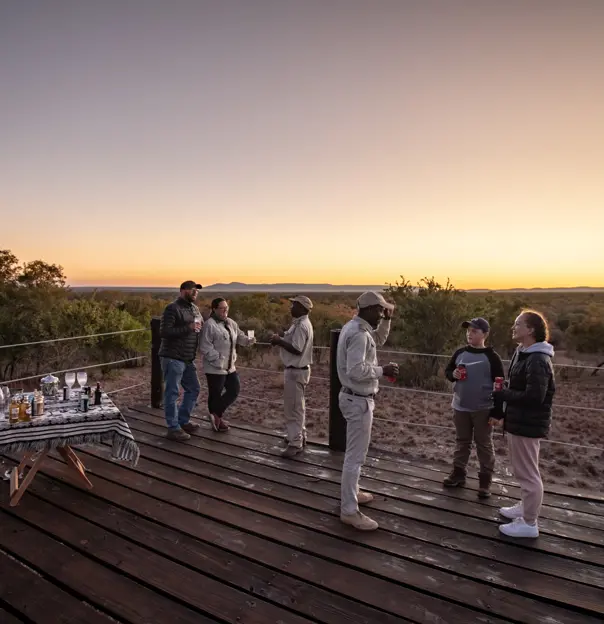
[(337, 424), (157, 378)]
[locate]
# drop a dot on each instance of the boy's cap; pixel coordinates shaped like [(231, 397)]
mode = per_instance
[(372, 298), (189, 284), (477, 323), (305, 301)]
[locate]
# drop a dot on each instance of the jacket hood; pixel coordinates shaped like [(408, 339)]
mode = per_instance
[(539, 347)]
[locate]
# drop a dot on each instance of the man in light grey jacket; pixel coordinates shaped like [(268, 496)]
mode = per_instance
[(359, 375), (219, 339)]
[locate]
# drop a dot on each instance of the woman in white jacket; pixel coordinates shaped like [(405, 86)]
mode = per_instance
[(219, 338)]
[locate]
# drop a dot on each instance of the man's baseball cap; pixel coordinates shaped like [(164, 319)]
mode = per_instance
[(189, 284), (477, 323), (305, 301), (372, 298)]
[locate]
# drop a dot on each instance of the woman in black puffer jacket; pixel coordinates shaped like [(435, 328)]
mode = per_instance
[(528, 414)]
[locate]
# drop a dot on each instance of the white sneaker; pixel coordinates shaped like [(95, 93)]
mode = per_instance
[(519, 528), (516, 511)]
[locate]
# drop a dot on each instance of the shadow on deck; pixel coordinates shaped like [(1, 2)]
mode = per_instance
[(221, 529)]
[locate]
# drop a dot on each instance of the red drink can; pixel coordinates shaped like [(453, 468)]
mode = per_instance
[(463, 371), (498, 384), (391, 379)]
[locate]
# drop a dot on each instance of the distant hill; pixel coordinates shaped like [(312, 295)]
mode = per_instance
[(290, 287), (571, 289), (240, 287)]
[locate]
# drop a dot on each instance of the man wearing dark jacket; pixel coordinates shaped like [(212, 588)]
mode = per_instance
[(179, 329)]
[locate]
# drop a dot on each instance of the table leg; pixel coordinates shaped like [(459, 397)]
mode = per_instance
[(18, 489), (24, 461), (68, 454)]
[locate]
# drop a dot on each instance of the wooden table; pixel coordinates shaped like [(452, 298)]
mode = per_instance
[(62, 426)]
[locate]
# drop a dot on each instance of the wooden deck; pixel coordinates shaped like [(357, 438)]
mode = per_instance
[(221, 529)]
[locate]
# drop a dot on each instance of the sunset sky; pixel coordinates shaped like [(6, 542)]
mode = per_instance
[(344, 141)]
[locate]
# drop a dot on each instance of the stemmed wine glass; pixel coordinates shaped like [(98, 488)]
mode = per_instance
[(70, 379), (4, 400), (82, 378)]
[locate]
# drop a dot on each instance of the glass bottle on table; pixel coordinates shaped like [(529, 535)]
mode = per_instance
[(13, 410)]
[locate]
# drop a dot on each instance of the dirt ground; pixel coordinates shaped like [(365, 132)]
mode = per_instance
[(416, 425)]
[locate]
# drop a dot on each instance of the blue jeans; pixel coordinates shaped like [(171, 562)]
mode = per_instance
[(178, 373)]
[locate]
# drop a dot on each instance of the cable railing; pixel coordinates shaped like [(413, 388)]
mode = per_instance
[(74, 368), (405, 389), (275, 402), (447, 357), (138, 385), (418, 390), (51, 340)]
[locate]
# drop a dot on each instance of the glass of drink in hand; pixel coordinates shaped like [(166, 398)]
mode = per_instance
[(198, 320)]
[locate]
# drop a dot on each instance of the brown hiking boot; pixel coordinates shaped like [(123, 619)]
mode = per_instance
[(359, 521), (457, 478), (484, 484), (178, 435), (364, 497), (292, 451), (190, 427)]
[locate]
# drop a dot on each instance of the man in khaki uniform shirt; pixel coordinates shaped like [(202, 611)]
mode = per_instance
[(296, 354), (359, 374)]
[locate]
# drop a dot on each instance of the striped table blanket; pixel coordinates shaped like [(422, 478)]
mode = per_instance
[(63, 424)]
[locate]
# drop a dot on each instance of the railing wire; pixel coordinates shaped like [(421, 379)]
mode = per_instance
[(39, 342), (74, 368), (420, 390), (448, 357), (144, 383)]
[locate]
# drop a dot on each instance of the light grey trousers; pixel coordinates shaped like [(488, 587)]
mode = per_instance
[(358, 413), (294, 404)]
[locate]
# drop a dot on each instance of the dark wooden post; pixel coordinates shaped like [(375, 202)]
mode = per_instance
[(157, 378), (337, 424)]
